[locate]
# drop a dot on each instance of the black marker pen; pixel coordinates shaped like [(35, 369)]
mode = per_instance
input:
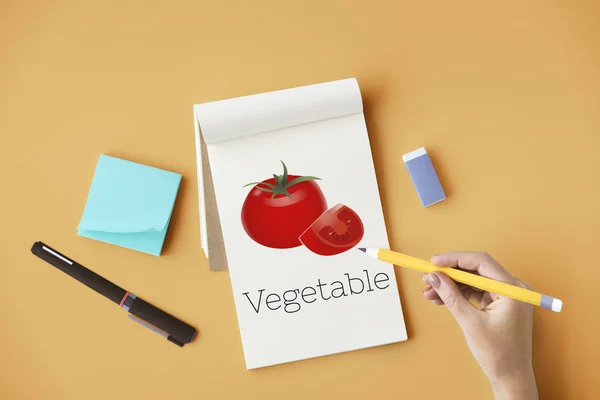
[(173, 329)]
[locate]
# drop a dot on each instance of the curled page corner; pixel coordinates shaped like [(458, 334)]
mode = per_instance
[(116, 225), (244, 116)]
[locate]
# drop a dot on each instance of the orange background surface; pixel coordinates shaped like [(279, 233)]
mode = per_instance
[(505, 95)]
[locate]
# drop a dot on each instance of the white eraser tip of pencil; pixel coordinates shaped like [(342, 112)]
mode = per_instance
[(557, 305)]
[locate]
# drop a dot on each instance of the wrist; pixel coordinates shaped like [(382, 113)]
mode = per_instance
[(518, 385)]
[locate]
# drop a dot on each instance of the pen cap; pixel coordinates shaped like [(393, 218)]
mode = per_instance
[(175, 328)]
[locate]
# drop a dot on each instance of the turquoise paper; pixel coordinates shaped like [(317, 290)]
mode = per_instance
[(129, 205)]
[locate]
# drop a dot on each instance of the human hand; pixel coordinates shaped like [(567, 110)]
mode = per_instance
[(498, 331)]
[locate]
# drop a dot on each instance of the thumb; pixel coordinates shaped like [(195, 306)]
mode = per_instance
[(451, 295)]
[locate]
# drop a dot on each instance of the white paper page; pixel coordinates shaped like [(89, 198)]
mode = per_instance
[(213, 246), (336, 150), (201, 198), (248, 115)]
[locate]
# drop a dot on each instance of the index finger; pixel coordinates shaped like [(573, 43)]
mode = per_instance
[(479, 262)]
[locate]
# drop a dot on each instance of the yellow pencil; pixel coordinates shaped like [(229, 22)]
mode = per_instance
[(476, 281)]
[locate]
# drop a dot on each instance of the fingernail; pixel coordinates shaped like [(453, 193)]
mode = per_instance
[(434, 280), (433, 258)]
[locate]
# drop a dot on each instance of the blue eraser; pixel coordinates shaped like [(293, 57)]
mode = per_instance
[(423, 176)]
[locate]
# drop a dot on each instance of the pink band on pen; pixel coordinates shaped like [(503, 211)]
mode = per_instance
[(124, 298)]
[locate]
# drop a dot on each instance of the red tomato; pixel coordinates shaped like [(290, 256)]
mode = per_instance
[(335, 231), (279, 209)]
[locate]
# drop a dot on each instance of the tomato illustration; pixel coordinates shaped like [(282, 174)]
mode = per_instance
[(335, 231), (279, 209)]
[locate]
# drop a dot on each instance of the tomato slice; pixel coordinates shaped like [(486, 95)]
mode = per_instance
[(337, 230)]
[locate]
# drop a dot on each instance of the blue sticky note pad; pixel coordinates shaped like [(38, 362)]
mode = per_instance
[(423, 175), (129, 205)]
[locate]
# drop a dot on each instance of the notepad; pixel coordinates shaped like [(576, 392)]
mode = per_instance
[(287, 191), (129, 205)]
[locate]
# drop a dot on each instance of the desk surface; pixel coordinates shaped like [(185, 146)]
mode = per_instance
[(504, 95)]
